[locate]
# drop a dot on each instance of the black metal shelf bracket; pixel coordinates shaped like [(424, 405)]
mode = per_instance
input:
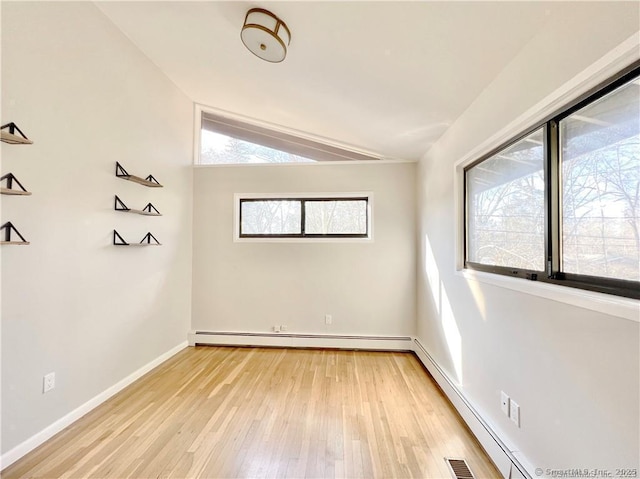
[(120, 206), (149, 239), (120, 171), (10, 179), (151, 179), (118, 240), (14, 136), (151, 209), (8, 228)]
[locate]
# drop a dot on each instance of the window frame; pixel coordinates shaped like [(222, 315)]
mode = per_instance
[(553, 273), (505, 270), (303, 198)]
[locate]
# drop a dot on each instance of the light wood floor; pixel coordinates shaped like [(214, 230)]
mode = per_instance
[(213, 412)]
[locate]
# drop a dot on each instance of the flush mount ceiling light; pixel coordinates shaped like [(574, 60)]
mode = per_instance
[(265, 35)]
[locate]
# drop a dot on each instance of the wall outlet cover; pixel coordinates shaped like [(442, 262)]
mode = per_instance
[(48, 382), (514, 412)]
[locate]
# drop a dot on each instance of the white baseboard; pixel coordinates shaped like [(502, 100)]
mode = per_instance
[(502, 456), (34, 441), (288, 340)]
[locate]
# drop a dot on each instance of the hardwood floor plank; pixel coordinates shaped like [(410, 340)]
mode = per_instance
[(223, 412)]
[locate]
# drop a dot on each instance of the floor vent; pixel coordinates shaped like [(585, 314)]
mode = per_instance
[(459, 468)]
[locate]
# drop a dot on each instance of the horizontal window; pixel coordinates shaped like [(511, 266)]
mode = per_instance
[(561, 204), (323, 217)]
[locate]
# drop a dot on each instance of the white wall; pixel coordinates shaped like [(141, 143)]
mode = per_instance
[(94, 313), (574, 372), (249, 287), (71, 302)]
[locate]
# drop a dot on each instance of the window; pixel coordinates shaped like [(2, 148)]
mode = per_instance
[(270, 218), (225, 141), (506, 207), (600, 178), (310, 217), (561, 204), (219, 149)]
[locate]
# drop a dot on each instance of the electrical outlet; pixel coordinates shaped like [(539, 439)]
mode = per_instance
[(328, 319), (504, 402), (283, 327), (48, 382), (514, 412), (276, 329)]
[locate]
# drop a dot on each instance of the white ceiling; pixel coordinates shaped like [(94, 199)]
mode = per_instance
[(383, 77)]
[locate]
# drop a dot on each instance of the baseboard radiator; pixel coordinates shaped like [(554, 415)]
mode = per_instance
[(291, 340), (505, 460)]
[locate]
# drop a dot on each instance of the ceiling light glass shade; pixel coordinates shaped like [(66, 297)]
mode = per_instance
[(265, 35)]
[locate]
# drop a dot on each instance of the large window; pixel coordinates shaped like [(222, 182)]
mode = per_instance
[(322, 217), (562, 203)]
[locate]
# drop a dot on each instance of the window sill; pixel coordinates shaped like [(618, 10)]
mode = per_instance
[(315, 163), (303, 239), (624, 308)]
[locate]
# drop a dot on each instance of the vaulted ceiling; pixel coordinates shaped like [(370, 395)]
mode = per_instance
[(383, 77)]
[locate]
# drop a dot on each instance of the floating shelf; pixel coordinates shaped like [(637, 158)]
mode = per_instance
[(8, 228), (149, 181), (148, 240), (10, 190), (148, 210), (11, 137)]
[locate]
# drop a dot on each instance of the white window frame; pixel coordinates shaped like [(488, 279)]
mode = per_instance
[(332, 239)]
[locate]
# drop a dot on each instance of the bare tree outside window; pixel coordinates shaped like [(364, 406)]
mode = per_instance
[(562, 204), (219, 149), (336, 217), (505, 207), (346, 217), (601, 187), (277, 217)]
